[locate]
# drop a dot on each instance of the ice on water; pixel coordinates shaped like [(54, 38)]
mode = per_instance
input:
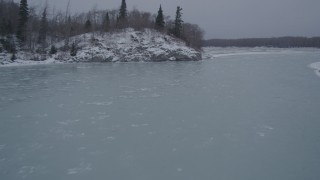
[(234, 117), (316, 67)]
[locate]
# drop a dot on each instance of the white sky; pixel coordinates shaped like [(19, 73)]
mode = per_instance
[(223, 18)]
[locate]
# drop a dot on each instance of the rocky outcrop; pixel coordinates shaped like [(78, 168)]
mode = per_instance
[(123, 46), (129, 45)]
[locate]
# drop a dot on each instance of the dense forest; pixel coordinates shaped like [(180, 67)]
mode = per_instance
[(37, 29), (281, 42)]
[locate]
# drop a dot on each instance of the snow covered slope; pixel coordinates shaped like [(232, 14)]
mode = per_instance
[(129, 45), (125, 46)]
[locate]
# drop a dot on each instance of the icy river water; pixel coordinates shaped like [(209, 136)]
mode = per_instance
[(241, 114)]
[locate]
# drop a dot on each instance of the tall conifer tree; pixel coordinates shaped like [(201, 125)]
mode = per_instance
[(160, 19), (23, 20), (177, 30), (87, 26), (123, 10), (123, 14), (74, 49), (106, 22), (43, 27)]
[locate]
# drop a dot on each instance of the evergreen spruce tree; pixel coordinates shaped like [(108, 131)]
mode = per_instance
[(23, 20), (6, 27), (160, 19), (177, 30), (9, 27), (67, 32), (73, 50), (123, 15), (10, 44), (53, 50), (2, 26), (87, 26), (123, 10), (13, 57), (106, 23), (43, 27)]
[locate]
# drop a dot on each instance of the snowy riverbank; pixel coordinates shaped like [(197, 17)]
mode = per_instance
[(216, 52), (19, 62), (123, 46)]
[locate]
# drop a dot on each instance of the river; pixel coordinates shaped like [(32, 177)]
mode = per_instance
[(240, 114)]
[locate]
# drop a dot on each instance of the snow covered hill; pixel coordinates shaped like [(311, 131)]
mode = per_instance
[(130, 45), (125, 46)]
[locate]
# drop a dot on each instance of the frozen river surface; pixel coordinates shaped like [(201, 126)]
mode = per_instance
[(242, 114)]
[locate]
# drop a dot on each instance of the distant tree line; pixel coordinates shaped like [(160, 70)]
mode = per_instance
[(37, 29), (280, 42)]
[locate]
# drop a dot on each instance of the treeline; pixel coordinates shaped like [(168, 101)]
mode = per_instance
[(281, 42), (37, 29)]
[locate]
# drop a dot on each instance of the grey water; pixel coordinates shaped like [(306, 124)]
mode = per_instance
[(233, 117)]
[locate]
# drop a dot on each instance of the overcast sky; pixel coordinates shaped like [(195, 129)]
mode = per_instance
[(224, 18)]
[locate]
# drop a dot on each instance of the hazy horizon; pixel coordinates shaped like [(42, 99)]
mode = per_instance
[(222, 19)]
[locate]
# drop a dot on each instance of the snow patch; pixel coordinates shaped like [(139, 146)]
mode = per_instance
[(216, 52), (139, 125), (101, 103), (264, 130), (83, 167), (316, 67), (65, 123), (21, 61), (2, 146)]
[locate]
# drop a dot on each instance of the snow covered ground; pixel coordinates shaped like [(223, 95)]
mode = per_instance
[(124, 46), (316, 67), (216, 52), (19, 62), (133, 46), (130, 45)]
